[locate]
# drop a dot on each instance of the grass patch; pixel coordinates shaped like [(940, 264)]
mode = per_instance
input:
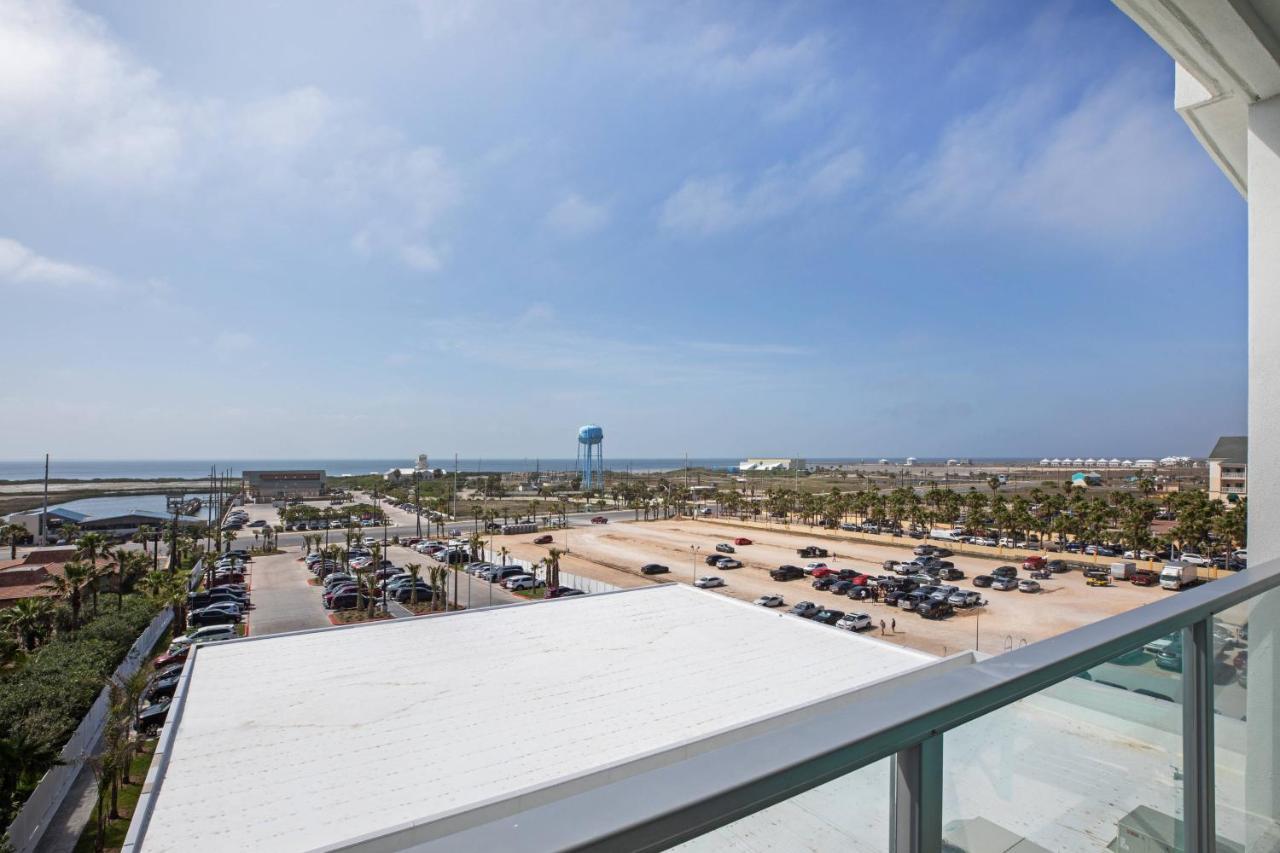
[(531, 594), (127, 802)]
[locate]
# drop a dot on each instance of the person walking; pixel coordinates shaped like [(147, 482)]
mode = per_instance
[(893, 625), (882, 627)]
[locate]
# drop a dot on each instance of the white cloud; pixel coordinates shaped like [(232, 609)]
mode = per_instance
[(1102, 168), (20, 266), (720, 203), (574, 216), (79, 108)]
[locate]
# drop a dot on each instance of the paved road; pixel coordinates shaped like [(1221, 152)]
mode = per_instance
[(282, 598)]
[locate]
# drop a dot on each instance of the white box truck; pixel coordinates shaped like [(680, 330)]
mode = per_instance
[(1177, 575), (1123, 571)]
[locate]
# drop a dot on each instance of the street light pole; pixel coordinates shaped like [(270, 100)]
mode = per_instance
[(694, 549)]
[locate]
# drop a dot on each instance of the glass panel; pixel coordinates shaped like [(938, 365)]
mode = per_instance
[(1246, 726), (849, 813), (1090, 764)]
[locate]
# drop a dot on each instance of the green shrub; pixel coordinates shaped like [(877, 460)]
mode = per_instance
[(48, 696)]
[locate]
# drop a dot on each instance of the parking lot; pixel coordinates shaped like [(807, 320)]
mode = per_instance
[(614, 553), (282, 598)]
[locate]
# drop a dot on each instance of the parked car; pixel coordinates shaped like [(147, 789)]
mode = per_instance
[(787, 573), (708, 582), (523, 582), (804, 609), (724, 548), (599, 519), (1034, 563), (828, 617), (811, 551), (162, 688), (1191, 558), (404, 592), (545, 539), (742, 540), (1057, 566), (933, 609), (653, 569), (1097, 579), (824, 582), (982, 581), (950, 573), (712, 559), (172, 658), (562, 592), (841, 587), (1028, 586), (212, 615), (1004, 572), (728, 563), (861, 592), (770, 601), (1144, 577), (965, 598), (208, 633), (152, 718), (1004, 584), (854, 622)]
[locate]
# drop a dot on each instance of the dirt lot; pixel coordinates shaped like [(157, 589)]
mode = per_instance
[(613, 553)]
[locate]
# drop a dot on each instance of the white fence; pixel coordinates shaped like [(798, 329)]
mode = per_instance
[(588, 585), (29, 826)]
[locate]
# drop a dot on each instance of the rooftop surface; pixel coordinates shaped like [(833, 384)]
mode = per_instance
[(303, 740)]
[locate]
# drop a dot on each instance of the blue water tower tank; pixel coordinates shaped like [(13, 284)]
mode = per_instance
[(590, 434)]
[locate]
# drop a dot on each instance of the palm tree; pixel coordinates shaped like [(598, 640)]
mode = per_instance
[(29, 619), (11, 535), (129, 564), (229, 536), (414, 570), (553, 567), (168, 589), (503, 553), (69, 585), (69, 532), (143, 536), (23, 758)]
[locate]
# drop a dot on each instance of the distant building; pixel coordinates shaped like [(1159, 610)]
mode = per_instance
[(281, 485), (27, 576), (1080, 478), (771, 465), (1229, 469), (116, 524)]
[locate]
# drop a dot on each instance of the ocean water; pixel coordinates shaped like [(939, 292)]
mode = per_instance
[(120, 505), (150, 469)]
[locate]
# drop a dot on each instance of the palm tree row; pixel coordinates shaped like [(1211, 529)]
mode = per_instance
[(1069, 514)]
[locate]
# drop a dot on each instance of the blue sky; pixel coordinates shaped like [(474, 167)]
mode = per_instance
[(818, 229)]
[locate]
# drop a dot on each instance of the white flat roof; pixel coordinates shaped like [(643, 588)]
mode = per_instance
[(304, 740)]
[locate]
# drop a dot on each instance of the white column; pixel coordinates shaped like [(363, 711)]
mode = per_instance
[(1262, 784)]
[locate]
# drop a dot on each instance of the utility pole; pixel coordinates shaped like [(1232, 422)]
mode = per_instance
[(44, 516), (454, 507), (417, 502)]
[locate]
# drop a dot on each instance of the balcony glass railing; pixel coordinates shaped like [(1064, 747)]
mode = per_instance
[(1156, 729)]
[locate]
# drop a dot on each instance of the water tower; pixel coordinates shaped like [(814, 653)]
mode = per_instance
[(591, 457)]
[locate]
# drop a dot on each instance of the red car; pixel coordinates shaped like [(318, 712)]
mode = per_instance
[(742, 540), (1142, 577), (169, 660), (1034, 563), (599, 519), (822, 572), (542, 540)]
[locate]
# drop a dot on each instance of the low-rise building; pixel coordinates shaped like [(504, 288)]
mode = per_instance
[(771, 464), (282, 485), (1229, 469)]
